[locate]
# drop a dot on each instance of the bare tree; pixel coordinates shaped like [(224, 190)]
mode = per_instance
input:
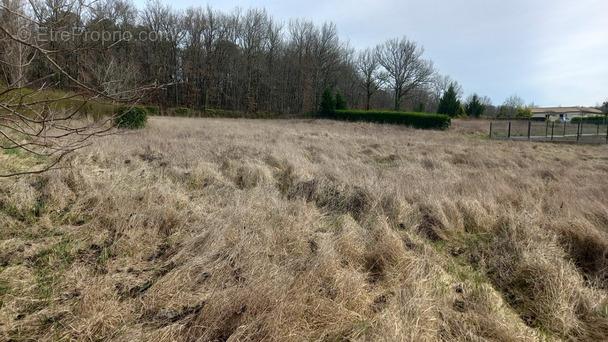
[(509, 107), (441, 84), (32, 119), (253, 39), (15, 57), (300, 65), (371, 76), (406, 69)]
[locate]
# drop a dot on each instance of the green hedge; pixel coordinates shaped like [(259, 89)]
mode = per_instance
[(182, 111), (591, 119), (131, 117), (417, 120), (532, 118)]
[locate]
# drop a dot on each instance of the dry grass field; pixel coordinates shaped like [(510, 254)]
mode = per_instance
[(252, 230)]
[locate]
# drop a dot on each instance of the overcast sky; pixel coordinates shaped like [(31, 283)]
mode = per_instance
[(550, 52)]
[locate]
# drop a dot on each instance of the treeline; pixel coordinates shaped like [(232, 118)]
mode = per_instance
[(244, 60)]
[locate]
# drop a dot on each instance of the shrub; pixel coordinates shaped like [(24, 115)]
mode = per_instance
[(523, 112), (461, 113), (475, 107), (591, 119), (449, 103), (417, 120), (210, 112), (152, 110), (131, 117), (328, 105), (341, 102), (182, 111)]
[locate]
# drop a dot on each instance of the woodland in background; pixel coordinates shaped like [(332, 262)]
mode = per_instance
[(244, 60), (200, 58)]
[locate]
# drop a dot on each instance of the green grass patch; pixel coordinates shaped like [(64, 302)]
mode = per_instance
[(29, 102), (5, 289), (152, 110), (49, 265), (416, 120), (14, 151)]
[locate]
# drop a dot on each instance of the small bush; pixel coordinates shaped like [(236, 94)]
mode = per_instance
[(523, 112), (131, 117), (210, 113), (416, 120), (152, 110), (182, 111)]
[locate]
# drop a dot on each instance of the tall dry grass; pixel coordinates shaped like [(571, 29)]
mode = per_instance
[(242, 230)]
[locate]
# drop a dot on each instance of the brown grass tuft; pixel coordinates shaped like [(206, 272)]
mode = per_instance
[(244, 230)]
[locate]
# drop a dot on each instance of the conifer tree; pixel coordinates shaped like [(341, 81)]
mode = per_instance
[(327, 103), (475, 107), (449, 103), (340, 102)]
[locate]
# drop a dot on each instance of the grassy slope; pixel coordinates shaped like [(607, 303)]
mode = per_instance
[(307, 230)]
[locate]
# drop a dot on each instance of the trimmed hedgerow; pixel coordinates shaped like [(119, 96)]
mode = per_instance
[(131, 117), (416, 120), (182, 111), (591, 119), (533, 118)]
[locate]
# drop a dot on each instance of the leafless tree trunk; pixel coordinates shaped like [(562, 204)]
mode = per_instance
[(406, 69), (371, 77)]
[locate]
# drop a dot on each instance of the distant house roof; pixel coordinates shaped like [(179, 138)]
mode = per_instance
[(564, 110)]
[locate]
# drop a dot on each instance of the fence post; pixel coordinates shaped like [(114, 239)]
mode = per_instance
[(564, 128), (553, 128), (606, 134), (578, 130), (490, 129), (509, 134), (546, 128), (598, 128), (529, 127)]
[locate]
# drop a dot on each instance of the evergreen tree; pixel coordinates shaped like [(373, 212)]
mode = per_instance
[(449, 103), (475, 107), (327, 103), (340, 102), (419, 107), (604, 108)]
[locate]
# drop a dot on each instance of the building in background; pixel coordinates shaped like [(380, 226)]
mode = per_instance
[(564, 113)]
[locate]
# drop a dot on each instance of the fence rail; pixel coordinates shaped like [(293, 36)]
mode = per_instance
[(587, 132)]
